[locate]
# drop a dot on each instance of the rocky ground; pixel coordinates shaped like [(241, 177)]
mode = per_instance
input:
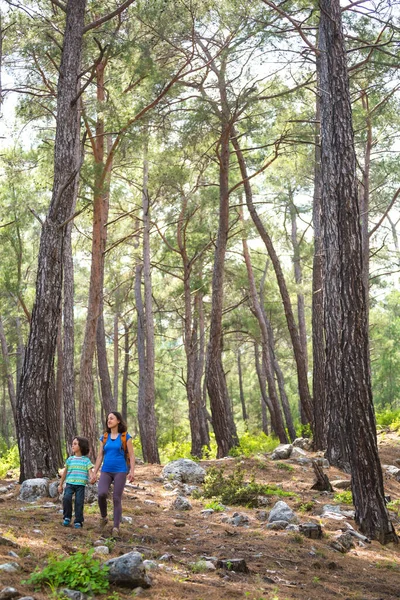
[(282, 564)]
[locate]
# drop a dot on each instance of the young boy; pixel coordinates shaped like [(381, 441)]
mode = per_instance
[(78, 469)]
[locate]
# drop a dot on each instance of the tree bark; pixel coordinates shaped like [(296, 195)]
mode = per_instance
[(124, 395), (352, 435), (222, 416), (7, 371), (298, 277), (95, 302), (149, 424), (38, 438), (116, 360), (266, 348), (304, 391), (241, 392), (102, 362), (317, 317)]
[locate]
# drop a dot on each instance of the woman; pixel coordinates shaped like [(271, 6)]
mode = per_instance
[(118, 463)]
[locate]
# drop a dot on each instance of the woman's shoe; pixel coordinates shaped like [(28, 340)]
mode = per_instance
[(115, 532), (103, 523)]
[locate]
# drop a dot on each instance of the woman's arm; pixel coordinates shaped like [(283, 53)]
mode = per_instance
[(131, 454), (97, 465), (63, 476)]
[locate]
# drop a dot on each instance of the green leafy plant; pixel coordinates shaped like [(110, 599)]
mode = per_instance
[(215, 505), (9, 460), (394, 505), (199, 566), (253, 443), (284, 466), (79, 571), (234, 490), (306, 506), (345, 497)]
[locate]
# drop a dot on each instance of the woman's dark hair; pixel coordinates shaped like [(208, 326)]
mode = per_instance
[(122, 426), (83, 445)]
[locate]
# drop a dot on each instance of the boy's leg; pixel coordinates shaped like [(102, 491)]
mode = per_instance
[(103, 487), (67, 501), (119, 484), (79, 503)]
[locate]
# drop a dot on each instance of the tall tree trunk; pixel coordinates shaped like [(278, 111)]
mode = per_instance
[(241, 392), (20, 353), (149, 439), (7, 371), (318, 332), (102, 362), (262, 379), (304, 391), (199, 370), (352, 434), (68, 382), (116, 360), (266, 348), (298, 277), (95, 302), (222, 416), (364, 197), (38, 438), (124, 395)]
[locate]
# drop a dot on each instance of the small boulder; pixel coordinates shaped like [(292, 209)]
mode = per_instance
[(277, 525), (33, 489), (184, 470), (181, 503), (282, 512), (303, 443), (8, 592), (282, 452), (128, 571)]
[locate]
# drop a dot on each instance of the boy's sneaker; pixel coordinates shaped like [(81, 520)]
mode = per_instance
[(78, 525), (67, 522)]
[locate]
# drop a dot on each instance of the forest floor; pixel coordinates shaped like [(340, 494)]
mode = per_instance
[(282, 565)]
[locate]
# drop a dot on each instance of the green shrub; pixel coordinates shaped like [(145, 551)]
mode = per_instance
[(79, 571), (234, 490), (215, 505), (344, 497), (9, 460), (253, 443), (389, 418)]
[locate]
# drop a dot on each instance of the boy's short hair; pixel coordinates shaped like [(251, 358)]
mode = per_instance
[(83, 445)]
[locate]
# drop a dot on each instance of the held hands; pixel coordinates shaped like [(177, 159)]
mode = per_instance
[(93, 478)]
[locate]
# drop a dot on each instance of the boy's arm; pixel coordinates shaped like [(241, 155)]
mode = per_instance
[(63, 476)]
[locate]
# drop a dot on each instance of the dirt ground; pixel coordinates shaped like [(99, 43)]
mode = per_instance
[(282, 565)]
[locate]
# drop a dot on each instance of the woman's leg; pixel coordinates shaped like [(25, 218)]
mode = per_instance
[(103, 487), (119, 484)]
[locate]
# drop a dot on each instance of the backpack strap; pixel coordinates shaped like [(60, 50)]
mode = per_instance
[(105, 436), (123, 440)]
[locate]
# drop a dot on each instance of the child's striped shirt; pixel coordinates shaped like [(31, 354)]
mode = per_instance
[(78, 468)]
